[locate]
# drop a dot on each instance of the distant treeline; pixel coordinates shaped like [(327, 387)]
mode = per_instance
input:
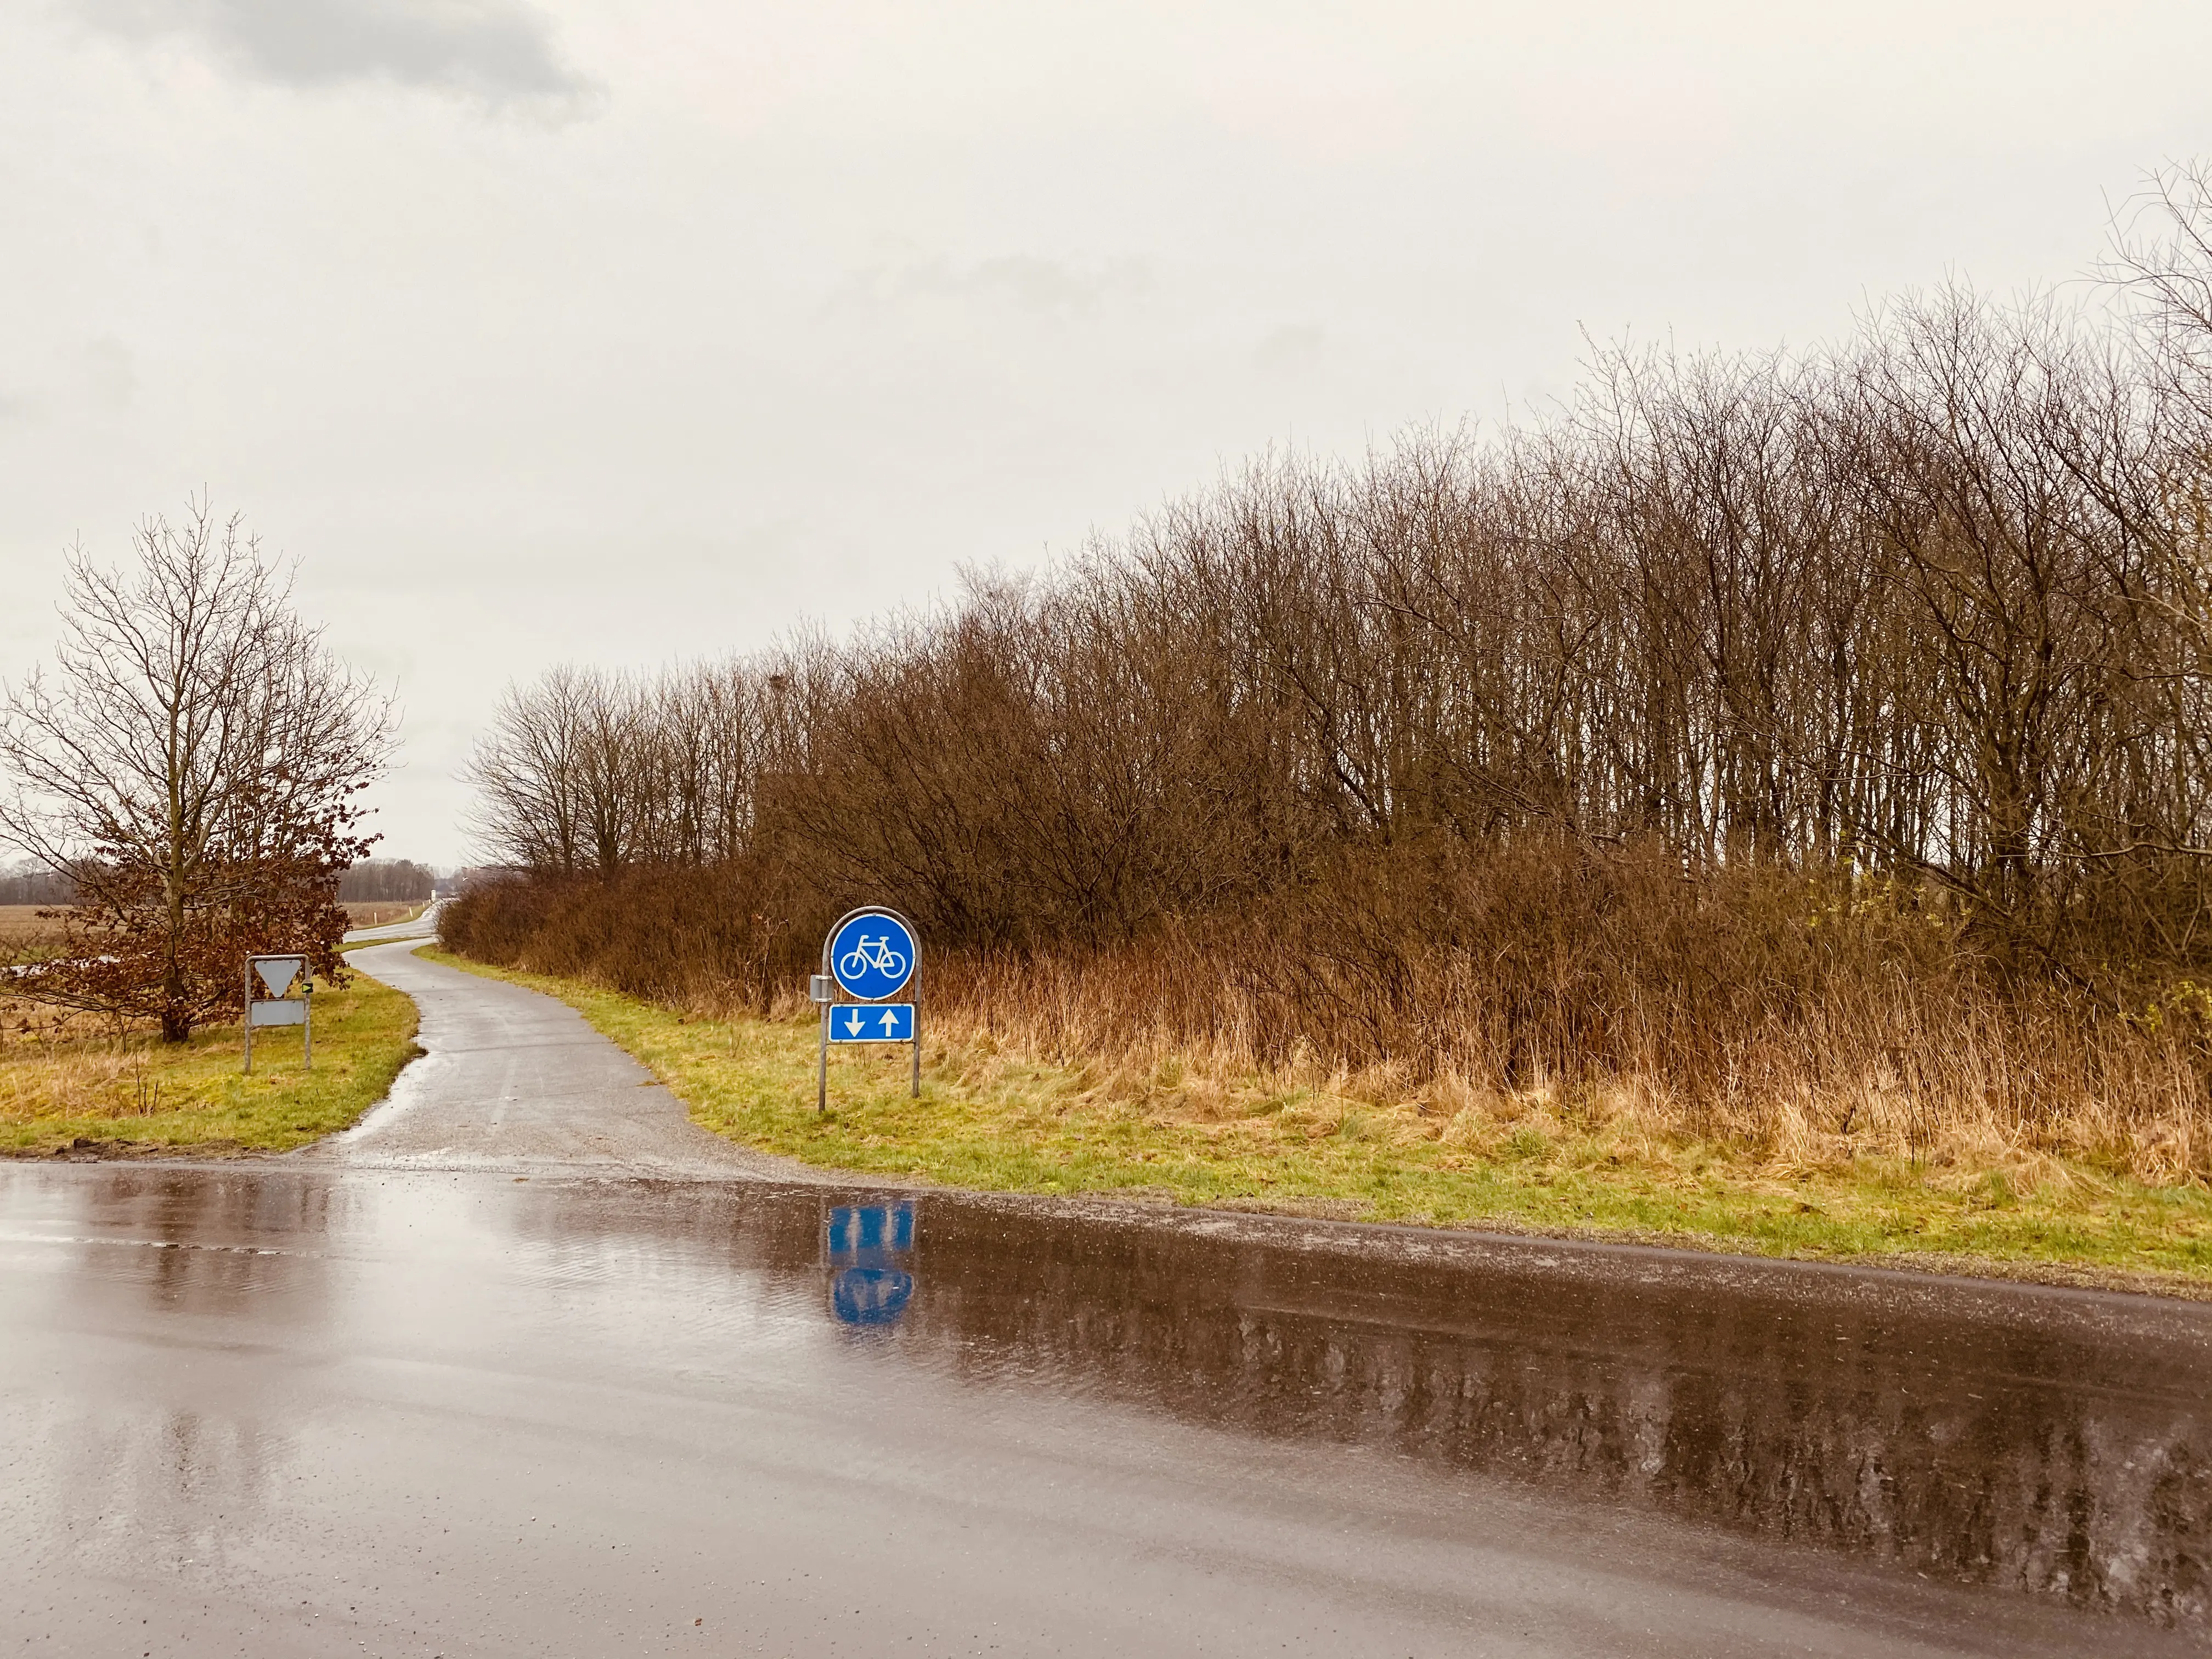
[(1910, 639), (385, 880), (389, 880), (34, 886)]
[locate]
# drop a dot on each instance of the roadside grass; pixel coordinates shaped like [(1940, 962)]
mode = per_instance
[(132, 1094), (1000, 1122)]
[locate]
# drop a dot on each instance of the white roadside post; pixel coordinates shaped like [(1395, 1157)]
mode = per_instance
[(871, 956), (823, 990)]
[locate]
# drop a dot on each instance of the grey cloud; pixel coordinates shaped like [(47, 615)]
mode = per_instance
[(502, 51)]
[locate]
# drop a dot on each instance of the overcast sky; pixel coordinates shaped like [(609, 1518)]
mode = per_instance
[(624, 331)]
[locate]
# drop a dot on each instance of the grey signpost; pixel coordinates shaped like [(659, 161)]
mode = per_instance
[(871, 956), (276, 973)]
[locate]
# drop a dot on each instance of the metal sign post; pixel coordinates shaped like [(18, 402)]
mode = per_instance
[(277, 974), (871, 956)]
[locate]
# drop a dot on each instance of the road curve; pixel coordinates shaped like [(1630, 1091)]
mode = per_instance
[(423, 927)]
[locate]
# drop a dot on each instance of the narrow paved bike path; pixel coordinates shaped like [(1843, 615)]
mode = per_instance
[(512, 1080)]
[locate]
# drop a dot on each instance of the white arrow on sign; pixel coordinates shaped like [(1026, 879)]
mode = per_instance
[(863, 1021)]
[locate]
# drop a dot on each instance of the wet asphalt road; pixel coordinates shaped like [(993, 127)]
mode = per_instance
[(423, 927), (527, 1365)]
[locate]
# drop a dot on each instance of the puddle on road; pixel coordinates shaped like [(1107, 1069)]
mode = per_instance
[(2000, 1436)]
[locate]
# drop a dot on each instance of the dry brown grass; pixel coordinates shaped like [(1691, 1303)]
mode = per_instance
[(26, 1024), (1968, 1113), (21, 921), (989, 1118), (63, 1062), (1959, 1083), (1784, 1021)]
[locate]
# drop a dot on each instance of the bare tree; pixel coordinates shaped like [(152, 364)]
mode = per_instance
[(1932, 607), (195, 764), (2162, 259)]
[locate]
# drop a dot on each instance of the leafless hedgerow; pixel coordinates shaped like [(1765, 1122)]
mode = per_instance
[(1847, 710), (194, 767)]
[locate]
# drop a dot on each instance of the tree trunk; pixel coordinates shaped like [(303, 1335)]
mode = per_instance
[(176, 1005)]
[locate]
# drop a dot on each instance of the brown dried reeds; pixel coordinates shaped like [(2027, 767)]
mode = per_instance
[(1793, 1020)]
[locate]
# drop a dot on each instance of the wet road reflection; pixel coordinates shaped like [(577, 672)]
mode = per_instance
[(271, 1409), (869, 1246)]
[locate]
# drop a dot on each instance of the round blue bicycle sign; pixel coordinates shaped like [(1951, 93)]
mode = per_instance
[(873, 956)]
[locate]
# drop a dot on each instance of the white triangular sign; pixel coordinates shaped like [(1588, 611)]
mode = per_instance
[(277, 973)]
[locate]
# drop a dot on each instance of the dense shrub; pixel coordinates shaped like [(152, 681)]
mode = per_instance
[(1820, 735)]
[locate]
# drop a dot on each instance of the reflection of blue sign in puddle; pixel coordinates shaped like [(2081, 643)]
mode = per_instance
[(861, 1230), (866, 1243), (871, 1296)]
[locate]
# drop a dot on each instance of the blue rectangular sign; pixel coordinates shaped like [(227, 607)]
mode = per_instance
[(871, 1022)]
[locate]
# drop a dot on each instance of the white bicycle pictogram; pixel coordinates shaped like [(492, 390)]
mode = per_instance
[(872, 955)]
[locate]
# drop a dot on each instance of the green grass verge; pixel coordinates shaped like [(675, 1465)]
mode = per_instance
[(137, 1095), (989, 1122)]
